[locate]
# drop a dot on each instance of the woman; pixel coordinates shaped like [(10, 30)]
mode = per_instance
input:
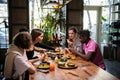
[(16, 63), (74, 41), (37, 37), (29, 51)]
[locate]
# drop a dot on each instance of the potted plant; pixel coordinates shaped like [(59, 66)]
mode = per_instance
[(50, 24)]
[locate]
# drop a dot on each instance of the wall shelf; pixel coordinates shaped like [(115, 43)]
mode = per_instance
[(114, 28)]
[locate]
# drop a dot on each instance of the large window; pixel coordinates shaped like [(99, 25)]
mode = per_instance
[(4, 39)]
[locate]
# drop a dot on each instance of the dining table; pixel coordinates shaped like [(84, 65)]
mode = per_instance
[(83, 70)]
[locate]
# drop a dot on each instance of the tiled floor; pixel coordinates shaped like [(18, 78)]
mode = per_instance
[(113, 67)]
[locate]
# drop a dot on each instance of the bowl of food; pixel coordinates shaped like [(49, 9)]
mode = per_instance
[(53, 56), (70, 65), (63, 59), (49, 53), (44, 65)]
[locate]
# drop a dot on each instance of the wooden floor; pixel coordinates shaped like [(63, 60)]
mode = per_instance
[(113, 67)]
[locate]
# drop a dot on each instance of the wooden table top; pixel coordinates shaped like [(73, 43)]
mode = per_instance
[(86, 70)]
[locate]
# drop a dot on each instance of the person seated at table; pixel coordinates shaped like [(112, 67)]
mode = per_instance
[(74, 41), (16, 62), (36, 58), (91, 50), (37, 37)]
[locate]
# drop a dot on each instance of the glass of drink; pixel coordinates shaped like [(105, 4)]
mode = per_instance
[(52, 66)]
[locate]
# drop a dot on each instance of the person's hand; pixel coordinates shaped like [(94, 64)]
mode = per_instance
[(42, 50), (67, 51), (41, 57), (73, 50), (70, 43), (57, 49)]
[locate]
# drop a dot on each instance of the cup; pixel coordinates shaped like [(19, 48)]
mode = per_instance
[(73, 57), (46, 58)]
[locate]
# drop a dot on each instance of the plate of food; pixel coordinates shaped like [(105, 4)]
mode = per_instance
[(44, 66), (68, 66)]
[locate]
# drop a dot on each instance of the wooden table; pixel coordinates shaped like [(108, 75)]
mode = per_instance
[(85, 71)]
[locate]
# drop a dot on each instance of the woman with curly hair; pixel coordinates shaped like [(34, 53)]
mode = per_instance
[(16, 62)]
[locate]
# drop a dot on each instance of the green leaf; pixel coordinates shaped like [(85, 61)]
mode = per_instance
[(104, 19)]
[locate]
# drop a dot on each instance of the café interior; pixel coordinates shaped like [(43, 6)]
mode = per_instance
[(54, 17)]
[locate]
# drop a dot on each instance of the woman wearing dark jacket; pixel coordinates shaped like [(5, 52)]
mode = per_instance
[(37, 37)]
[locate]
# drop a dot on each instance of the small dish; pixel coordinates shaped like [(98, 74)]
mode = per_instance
[(61, 64), (71, 64)]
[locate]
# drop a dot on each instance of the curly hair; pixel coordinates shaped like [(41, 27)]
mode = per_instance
[(22, 40), (84, 33)]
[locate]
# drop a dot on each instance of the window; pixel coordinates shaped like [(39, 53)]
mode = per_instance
[(4, 38)]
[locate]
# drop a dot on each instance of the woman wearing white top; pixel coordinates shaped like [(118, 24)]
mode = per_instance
[(16, 62), (74, 41)]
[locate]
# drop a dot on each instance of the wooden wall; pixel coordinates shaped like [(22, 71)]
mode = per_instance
[(18, 16), (75, 14)]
